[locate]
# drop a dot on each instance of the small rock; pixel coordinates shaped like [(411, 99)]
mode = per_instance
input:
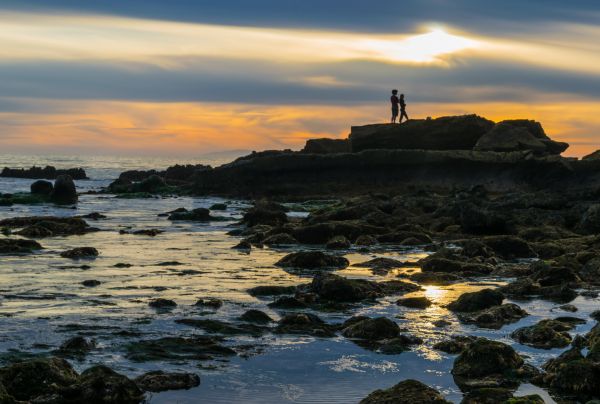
[(80, 252), (212, 303), (421, 302), (256, 316), (162, 304), (90, 283), (157, 381)]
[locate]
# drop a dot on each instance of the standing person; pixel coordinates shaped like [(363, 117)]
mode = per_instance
[(395, 101), (402, 109)]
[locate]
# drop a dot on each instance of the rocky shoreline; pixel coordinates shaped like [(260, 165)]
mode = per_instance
[(504, 207)]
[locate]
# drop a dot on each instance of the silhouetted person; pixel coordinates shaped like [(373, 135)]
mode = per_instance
[(395, 102), (402, 109)]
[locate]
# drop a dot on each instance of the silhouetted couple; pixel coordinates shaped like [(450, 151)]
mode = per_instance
[(398, 107)]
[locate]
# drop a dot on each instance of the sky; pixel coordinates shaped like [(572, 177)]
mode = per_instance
[(187, 77)]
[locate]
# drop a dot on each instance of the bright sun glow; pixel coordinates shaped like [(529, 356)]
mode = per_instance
[(423, 48)]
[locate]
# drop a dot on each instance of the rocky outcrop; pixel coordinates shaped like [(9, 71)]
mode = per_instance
[(518, 135), (325, 146), (299, 174), (46, 173), (154, 181), (446, 133)]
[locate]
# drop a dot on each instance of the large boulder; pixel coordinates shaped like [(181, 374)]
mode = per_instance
[(64, 191), (519, 135), (486, 363), (445, 133), (41, 187), (38, 377), (325, 146)]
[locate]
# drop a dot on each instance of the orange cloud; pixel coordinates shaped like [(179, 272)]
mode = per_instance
[(188, 129)]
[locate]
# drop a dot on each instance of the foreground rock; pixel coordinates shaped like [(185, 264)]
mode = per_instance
[(406, 392), (486, 363), (54, 380)]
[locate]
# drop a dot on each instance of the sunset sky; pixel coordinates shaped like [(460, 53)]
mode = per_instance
[(186, 77)]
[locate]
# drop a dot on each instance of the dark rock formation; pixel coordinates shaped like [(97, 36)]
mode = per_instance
[(64, 191), (41, 187), (256, 316), (46, 173), (474, 301), (18, 246), (486, 363), (325, 146), (546, 334), (446, 133), (313, 260), (518, 135), (47, 226), (158, 380), (54, 380), (80, 252), (304, 324)]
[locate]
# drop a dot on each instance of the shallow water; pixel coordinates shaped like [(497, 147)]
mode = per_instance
[(44, 304)]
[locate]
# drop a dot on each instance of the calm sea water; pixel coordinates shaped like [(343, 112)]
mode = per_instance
[(43, 302)]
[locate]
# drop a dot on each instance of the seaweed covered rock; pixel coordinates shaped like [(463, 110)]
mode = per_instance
[(474, 301), (256, 316), (509, 247), (572, 374), (100, 384), (420, 302), (80, 252), (546, 334), (304, 324), (406, 392), (313, 260), (47, 226), (200, 347), (157, 381), (337, 288), (486, 363), (372, 329), (378, 334), (494, 317), (37, 378), (18, 246), (194, 215), (263, 212)]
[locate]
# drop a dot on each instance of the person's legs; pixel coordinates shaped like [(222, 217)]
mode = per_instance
[(394, 115), (403, 115)]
